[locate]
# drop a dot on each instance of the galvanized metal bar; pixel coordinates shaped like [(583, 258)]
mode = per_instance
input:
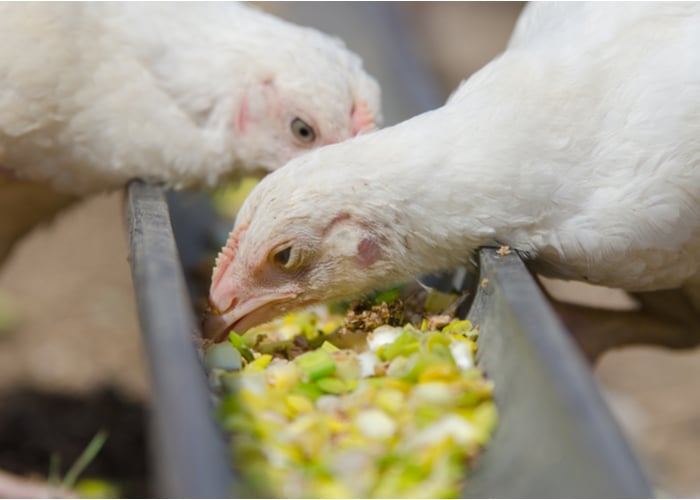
[(556, 437), (190, 457)]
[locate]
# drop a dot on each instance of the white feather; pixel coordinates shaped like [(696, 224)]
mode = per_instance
[(93, 94), (580, 145)]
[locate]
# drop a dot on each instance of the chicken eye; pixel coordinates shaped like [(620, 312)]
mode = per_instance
[(303, 131), (282, 256)]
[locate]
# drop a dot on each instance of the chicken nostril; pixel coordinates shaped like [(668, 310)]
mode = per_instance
[(234, 303), (218, 307)]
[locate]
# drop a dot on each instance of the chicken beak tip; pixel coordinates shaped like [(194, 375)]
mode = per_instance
[(215, 328)]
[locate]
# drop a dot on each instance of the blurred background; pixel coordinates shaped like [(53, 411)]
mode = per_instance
[(70, 352)]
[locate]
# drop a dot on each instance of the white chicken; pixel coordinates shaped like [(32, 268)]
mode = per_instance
[(94, 94), (579, 146)]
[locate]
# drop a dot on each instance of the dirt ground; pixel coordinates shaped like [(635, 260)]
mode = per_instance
[(73, 362)]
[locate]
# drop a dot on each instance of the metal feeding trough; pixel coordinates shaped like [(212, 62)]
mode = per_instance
[(556, 437)]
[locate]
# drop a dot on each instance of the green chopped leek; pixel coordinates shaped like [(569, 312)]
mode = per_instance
[(315, 364), (402, 414)]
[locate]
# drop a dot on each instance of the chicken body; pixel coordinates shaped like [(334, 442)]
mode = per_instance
[(580, 146), (94, 94)]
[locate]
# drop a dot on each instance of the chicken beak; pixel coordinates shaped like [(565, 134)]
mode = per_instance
[(223, 292), (217, 326), (234, 302), (223, 298), (227, 302), (362, 119), (244, 313)]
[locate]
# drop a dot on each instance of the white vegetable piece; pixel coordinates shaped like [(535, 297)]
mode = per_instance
[(382, 336)]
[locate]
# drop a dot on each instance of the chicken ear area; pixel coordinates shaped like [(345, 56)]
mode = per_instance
[(344, 232), (362, 119), (368, 251)]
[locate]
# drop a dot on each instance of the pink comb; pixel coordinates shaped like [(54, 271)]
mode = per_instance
[(226, 256), (361, 117)]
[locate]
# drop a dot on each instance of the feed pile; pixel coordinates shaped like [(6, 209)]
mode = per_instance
[(382, 401)]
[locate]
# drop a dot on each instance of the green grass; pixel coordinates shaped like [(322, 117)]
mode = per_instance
[(81, 463)]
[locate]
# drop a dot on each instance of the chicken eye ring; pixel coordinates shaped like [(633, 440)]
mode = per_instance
[(282, 256), (302, 131)]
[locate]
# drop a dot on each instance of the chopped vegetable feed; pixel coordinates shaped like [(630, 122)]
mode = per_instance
[(318, 407)]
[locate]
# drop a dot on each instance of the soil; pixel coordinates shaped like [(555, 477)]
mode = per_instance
[(38, 424), (72, 364)]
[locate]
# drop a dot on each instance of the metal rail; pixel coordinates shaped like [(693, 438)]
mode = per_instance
[(188, 449), (556, 437)]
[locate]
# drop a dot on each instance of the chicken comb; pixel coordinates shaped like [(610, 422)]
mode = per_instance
[(362, 119), (226, 255)]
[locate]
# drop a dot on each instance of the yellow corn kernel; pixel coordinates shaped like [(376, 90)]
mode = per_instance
[(390, 400), (251, 400), (396, 384), (296, 404), (282, 377), (443, 372), (327, 488), (329, 327), (329, 348), (337, 425), (259, 363)]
